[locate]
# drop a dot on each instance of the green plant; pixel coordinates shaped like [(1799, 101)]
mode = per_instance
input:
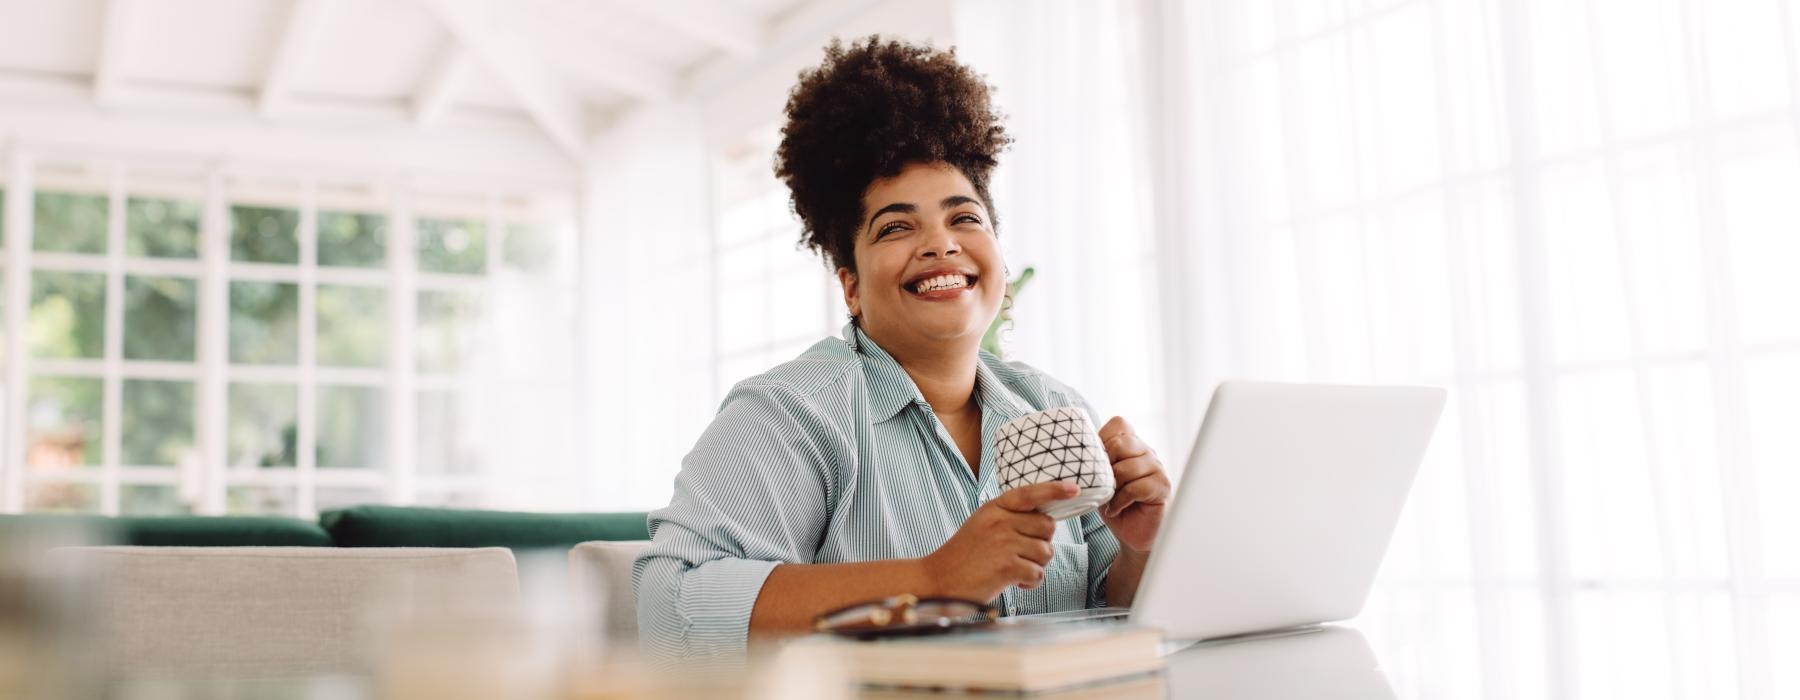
[(991, 341)]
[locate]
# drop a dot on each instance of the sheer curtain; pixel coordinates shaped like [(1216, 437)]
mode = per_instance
[(1582, 216)]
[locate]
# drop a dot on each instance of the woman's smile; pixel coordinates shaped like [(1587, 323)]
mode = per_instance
[(942, 284)]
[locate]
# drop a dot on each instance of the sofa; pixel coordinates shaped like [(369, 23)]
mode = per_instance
[(356, 526), (247, 597)]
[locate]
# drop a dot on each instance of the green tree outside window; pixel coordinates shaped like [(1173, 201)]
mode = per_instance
[(162, 228), (160, 318), (265, 323), (452, 246), (67, 314), (265, 235), (157, 427), (66, 222), (352, 240)]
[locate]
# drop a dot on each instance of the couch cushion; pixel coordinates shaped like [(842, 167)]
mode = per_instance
[(242, 612), (175, 530), (600, 576), (394, 526)]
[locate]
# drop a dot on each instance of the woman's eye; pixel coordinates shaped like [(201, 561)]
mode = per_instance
[(966, 218), (890, 228)]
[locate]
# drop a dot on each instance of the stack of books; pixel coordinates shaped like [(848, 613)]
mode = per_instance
[(1009, 658)]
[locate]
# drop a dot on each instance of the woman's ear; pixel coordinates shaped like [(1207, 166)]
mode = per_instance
[(847, 280)]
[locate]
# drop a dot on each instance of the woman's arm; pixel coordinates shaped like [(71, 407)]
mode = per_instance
[(1005, 542), (1122, 579), (755, 491), (795, 594)]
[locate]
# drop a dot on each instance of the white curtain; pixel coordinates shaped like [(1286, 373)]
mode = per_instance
[(1581, 216)]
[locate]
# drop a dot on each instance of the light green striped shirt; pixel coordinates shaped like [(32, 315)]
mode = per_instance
[(835, 457)]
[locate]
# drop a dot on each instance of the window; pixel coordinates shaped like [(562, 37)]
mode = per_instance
[(773, 298), (328, 314)]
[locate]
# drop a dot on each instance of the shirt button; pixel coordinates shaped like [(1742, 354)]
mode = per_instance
[(1012, 610)]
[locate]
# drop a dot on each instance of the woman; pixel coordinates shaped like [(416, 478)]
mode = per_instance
[(859, 470)]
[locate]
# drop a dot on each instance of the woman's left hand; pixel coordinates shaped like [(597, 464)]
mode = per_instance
[(1140, 487)]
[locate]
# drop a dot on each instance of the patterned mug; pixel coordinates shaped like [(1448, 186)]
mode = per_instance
[(1055, 445)]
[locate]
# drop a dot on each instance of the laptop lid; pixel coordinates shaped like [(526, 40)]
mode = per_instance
[(1286, 506)]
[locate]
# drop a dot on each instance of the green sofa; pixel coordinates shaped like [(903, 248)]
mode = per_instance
[(357, 526)]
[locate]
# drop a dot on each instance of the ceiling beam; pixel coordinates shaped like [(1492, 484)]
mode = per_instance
[(713, 23), (116, 22), (566, 35), (439, 88), (380, 142), (556, 109), (304, 25)]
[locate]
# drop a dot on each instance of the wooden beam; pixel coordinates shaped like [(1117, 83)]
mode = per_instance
[(116, 21), (435, 94), (557, 110), (713, 23), (304, 25)]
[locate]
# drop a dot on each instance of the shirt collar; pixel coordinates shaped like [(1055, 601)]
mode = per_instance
[(996, 399), (891, 388)]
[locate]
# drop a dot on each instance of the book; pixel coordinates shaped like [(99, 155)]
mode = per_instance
[(1006, 658)]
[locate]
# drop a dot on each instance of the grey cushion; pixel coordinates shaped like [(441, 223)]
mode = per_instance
[(600, 574), (247, 612)]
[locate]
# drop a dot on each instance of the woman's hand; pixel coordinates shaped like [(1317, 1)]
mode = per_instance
[(1140, 487), (1005, 542)]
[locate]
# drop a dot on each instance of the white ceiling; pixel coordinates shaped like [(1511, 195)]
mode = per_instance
[(561, 67)]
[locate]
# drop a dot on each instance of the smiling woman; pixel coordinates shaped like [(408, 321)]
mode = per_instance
[(859, 470)]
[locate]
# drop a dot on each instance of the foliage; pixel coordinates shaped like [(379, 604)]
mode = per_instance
[(158, 422), (352, 328), (352, 240), (160, 318), (67, 314), (265, 323), (453, 247), (162, 228), (67, 222), (991, 341), (265, 235)]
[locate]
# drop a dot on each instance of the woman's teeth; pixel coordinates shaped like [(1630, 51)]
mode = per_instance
[(942, 282)]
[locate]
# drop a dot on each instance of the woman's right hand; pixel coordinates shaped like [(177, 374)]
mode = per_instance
[(1005, 542)]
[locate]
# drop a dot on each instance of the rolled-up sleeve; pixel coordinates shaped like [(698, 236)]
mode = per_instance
[(756, 491)]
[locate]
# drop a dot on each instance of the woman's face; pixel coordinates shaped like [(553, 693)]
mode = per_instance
[(928, 266)]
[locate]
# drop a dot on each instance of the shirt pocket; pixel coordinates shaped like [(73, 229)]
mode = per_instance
[(1066, 578)]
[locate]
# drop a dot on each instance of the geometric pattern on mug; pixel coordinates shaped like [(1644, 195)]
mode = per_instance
[(1054, 445)]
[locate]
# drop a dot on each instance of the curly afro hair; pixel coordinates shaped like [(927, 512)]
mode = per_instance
[(869, 110)]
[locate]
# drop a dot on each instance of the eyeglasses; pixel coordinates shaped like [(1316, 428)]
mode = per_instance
[(905, 615)]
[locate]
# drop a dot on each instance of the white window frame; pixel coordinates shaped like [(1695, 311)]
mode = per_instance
[(212, 372)]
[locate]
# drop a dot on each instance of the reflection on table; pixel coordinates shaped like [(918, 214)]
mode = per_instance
[(1328, 661)]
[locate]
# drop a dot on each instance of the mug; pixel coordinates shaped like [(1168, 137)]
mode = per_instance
[(1059, 444)]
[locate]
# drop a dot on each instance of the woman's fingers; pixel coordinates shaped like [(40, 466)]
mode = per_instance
[(1035, 525), (1131, 469), (1026, 499), (1121, 441), (1153, 489), (1025, 573)]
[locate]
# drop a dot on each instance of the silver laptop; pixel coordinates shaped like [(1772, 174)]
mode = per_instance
[(1284, 511)]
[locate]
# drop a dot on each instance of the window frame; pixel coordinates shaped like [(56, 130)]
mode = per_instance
[(204, 483)]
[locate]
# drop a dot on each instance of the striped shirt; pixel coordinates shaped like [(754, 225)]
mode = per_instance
[(835, 457)]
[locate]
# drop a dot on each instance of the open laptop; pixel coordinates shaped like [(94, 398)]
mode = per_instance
[(1284, 511)]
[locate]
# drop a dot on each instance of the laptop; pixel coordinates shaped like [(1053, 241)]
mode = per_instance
[(1284, 511)]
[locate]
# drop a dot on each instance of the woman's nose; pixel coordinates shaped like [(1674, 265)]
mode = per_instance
[(939, 243)]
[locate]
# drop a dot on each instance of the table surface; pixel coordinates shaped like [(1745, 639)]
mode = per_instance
[(1335, 661)]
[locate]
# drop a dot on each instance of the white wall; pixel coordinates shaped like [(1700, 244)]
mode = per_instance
[(645, 295), (649, 272)]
